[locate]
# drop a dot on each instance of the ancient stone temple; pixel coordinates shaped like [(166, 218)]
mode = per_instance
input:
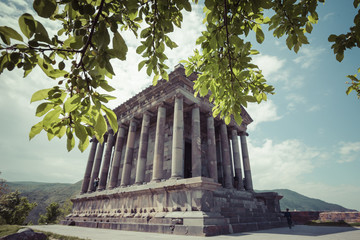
[(173, 168)]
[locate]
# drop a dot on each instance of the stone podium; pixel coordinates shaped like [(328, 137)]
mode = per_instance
[(173, 168)]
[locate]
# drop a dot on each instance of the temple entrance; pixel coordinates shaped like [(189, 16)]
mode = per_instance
[(187, 162)]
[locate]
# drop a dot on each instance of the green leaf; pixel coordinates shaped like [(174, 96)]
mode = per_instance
[(35, 130), (45, 8), (70, 143), (332, 38), (104, 85), (140, 49), (56, 73), (27, 25), (203, 90), (120, 46), (11, 33), (80, 132), (43, 108), (40, 95), (111, 116), (100, 127), (72, 103), (308, 27), (141, 64), (349, 90), (227, 119), (83, 145), (52, 117), (259, 35), (238, 118), (340, 56)]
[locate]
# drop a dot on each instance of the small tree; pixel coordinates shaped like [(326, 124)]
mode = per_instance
[(66, 209), (3, 187), (14, 209), (53, 211)]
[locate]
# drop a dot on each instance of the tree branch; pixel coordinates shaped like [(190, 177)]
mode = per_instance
[(83, 50)]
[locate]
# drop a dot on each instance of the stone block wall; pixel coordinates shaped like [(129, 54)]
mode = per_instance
[(349, 217), (304, 217)]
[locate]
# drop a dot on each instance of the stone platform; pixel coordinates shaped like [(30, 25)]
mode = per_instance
[(192, 206)]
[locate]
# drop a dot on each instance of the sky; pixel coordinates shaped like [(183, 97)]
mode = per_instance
[(304, 138)]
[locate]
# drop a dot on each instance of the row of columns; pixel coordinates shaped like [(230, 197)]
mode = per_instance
[(177, 164)]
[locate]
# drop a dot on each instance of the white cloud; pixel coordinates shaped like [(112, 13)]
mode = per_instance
[(280, 165), (264, 112), (327, 16), (308, 56), (314, 108), (294, 100), (349, 151), (286, 164), (270, 65)]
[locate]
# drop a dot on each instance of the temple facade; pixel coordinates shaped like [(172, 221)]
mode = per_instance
[(173, 168)]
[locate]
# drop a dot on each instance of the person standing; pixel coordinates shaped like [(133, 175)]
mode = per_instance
[(287, 214)]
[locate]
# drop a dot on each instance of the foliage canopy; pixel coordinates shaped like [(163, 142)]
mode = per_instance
[(53, 211), (14, 209), (79, 55)]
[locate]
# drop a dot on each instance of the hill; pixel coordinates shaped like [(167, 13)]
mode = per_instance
[(298, 202), (45, 193)]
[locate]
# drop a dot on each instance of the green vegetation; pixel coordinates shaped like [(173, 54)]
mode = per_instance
[(14, 209), (10, 229), (52, 214), (79, 56), (46, 193)]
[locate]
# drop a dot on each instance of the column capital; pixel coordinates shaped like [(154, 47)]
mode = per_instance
[(195, 105), (209, 114), (244, 134), (178, 94), (147, 112)]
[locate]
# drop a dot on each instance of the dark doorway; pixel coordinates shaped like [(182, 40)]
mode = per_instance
[(187, 162)]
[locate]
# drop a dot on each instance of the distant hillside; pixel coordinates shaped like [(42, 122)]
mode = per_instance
[(298, 202), (46, 193)]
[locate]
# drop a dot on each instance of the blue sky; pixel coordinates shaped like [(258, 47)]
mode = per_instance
[(304, 138)]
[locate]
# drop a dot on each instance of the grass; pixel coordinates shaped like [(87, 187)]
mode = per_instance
[(10, 229)]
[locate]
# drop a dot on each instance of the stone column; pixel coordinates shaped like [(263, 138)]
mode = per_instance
[(89, 166), (237, 160), (177, 158), (196, 142), (159, 144), (96, 169), (141, 162), (126, 173), (226, 156), (117, 156), (211, 148), (106, 162), (246, 163)]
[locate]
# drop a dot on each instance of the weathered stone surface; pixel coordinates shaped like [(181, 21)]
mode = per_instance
[(172, 171), (349, 217), (25, 234)]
